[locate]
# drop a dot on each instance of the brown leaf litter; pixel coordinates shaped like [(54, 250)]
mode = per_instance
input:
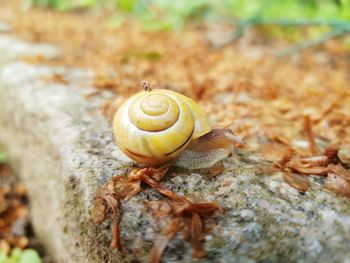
[(13, 211), (294, 111), (175, 214)]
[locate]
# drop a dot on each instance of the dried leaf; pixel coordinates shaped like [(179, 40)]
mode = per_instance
[(314, 161), (113, 203), (273, 151), (159, 208), (339, 170), (306, 169), (197, 237), (145, 176), (201, 208), (338, 184), (178, 208), (267, 169), (130, 189), (332, 155), (186, 231), (299, 182), (162, 241), (13, 209), (314, 150), (109, 197), (99, 210), (158, 173), (286, 157)]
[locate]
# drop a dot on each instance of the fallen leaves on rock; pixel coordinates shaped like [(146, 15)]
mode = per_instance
[(299, 182), (175, 214), (291, 110), (265, 97), (296, 168)]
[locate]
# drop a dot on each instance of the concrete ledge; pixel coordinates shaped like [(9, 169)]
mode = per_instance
[(49, 132), (62, 147)]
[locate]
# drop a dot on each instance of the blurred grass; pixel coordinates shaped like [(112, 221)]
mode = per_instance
[(182, 10), (20, 256), (2, 157), (155, 15)]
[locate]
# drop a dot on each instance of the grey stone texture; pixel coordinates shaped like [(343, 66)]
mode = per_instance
[(61, 146)]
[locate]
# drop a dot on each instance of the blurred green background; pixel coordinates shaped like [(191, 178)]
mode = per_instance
[(166, 14)]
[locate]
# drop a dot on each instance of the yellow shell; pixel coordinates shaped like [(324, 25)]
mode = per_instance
[(153, 127)]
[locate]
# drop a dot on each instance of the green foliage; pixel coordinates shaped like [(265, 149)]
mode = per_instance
[(291, 9), (2, 157), (165, 14), (126, 5), (20, 256), (65, 5), (150, 55)]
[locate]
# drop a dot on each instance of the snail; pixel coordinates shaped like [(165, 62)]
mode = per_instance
[(154, 127)]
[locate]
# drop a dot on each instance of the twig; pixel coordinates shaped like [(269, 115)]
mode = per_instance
[(314, 150), (312, 42), (338, 28), (304, 22)]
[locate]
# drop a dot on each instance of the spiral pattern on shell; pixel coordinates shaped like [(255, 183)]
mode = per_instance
[(154, 112), (153, 127)]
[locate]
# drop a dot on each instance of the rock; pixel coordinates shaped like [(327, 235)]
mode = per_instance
[(4, 27), (62, 148), (20, 48), (18, 227)]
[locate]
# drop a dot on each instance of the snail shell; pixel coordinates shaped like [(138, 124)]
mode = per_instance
[(153, 127)]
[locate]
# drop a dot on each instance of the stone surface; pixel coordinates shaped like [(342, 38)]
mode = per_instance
[(62, 147)]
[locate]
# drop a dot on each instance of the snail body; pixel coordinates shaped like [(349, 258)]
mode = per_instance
[(158, 126)]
